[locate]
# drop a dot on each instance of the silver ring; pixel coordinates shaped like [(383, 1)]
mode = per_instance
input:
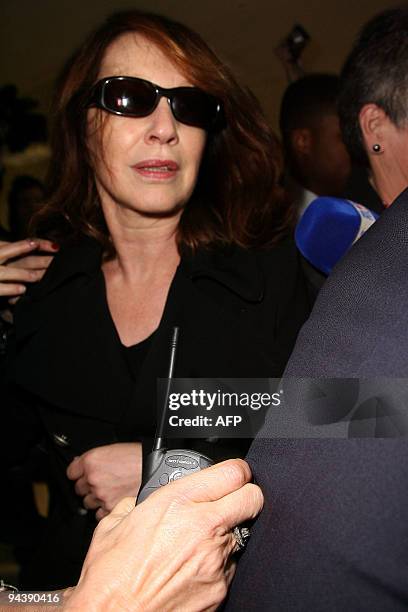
[(241, 535)]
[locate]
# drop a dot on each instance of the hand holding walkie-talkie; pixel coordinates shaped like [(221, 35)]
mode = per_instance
[(163, 466)]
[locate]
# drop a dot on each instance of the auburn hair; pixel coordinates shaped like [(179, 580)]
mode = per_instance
[(237, 199)]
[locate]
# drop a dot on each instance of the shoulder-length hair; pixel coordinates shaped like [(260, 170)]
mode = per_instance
[(237, 199)]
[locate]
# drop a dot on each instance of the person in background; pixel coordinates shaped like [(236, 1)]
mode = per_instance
[(317, 162), (25, 198), (334, 534), (164, 198)]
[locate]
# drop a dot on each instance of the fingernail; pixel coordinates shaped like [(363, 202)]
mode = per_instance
[(21, 289), (55, 246)]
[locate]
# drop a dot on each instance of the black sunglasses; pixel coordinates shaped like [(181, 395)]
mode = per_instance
[(133, 97)]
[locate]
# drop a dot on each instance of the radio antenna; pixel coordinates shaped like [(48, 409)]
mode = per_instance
[(159, 439)]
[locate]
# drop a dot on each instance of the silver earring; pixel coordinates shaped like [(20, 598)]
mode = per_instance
[(377, 148)]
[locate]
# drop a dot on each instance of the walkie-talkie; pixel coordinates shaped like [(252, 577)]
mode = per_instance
[(162, 465)]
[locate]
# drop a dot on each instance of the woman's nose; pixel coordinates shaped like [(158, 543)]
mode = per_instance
[(162, 125)]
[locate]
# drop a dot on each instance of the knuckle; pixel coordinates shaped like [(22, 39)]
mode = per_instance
[(92, 480), (76, 468), (32, 275), (255, 498), (237, 471), (98, 493), (88, 461), (259, 496), (215, 522), (176, 504)]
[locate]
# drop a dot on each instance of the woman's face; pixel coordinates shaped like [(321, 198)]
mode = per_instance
[(147, 165)]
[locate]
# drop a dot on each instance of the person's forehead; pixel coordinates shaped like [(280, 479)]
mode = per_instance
[(134, 55), (326, 122)]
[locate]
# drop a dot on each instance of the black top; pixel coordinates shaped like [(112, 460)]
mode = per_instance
[(135, 355), (239, 311)]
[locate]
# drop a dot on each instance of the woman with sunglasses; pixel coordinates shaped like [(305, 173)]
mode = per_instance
[(163, 189)]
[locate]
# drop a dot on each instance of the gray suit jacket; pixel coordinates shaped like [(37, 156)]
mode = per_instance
[(333, 534)]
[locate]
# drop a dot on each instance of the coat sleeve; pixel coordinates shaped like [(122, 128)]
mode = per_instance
[(21, 427)]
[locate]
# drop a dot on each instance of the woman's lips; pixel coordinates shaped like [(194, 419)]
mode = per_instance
[(157, 168)]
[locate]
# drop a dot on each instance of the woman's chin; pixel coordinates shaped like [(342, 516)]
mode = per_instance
[(151, 210), (164, 212)]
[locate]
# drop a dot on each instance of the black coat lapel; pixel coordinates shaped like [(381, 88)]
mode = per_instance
[(74, 361), (67, 353), (70, 356)]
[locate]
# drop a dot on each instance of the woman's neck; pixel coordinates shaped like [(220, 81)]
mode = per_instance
[(143, 246)]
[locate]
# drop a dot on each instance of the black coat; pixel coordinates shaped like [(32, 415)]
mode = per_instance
[(333, 534), (239, 313)]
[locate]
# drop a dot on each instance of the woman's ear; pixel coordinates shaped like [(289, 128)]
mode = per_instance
[(373, 124)]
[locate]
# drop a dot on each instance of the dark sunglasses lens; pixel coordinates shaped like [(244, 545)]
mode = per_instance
[(194, 107), (130, 97)]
